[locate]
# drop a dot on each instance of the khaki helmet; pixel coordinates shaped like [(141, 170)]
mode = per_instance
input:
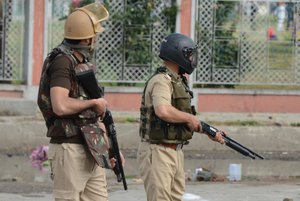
[(84, 22)]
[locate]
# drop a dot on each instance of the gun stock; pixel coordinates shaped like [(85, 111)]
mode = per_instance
[(89, 83), (210, 130)]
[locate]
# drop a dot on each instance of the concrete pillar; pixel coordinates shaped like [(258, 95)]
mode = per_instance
[(38, 41), (28, 42), (185, 17)]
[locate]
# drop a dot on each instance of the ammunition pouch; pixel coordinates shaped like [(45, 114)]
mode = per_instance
[(93, 135), (94, 138), (161, 131)]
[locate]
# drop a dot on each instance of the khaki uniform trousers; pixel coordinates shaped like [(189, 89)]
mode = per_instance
[(162, 170), (75, 175)]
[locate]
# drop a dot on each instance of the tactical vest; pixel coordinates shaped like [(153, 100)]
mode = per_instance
[(156, 130), (86, 122)]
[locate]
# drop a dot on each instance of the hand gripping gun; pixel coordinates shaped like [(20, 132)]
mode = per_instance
[(208, 129)]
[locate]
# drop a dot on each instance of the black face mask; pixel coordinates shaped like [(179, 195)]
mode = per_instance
[(85, 50), (87, 53)]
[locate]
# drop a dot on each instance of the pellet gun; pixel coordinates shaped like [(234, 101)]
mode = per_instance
[(210, 130), (88, 81)]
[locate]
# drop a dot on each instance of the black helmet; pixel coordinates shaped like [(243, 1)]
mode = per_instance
[(181, 50)]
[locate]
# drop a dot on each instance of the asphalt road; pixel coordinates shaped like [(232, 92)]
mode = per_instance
[(196, 191)]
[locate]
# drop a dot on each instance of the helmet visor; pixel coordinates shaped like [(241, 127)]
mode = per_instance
[(100, 13), (191, 54)]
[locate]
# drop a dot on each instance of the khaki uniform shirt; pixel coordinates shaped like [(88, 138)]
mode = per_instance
[(159, 90)]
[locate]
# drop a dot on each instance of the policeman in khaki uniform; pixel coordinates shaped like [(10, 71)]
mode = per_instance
[(167, 121), (78, 142)]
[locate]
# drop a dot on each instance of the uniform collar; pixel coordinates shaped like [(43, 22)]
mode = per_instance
[(173, 74)]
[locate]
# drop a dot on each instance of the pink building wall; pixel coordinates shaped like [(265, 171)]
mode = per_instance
[(237, 103), (248, 103), (185, 17)]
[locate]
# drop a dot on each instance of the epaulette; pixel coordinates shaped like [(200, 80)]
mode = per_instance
[(54, 53), (161, 69)]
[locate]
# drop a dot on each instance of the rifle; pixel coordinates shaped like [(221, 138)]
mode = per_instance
[(89, 83), (208, 129)]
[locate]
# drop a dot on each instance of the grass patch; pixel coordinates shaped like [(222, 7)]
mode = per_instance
[(295, 124), (131, 119), (238, 123), (126, 119), (8, 113)]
